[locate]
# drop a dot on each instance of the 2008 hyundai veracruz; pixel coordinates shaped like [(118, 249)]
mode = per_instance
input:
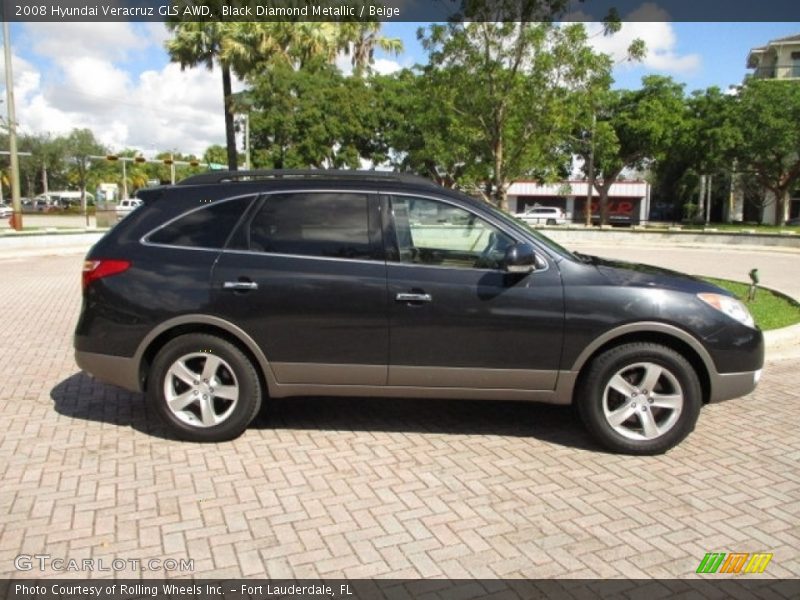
[(233, 287)]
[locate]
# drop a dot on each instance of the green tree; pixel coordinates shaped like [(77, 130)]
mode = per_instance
[(80, 145), (252, 49), (768, 117), (522, 84), (417, 135), (633, 127), (311, 117), (215, 154)]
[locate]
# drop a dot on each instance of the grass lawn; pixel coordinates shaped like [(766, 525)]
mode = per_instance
[(770, 311)]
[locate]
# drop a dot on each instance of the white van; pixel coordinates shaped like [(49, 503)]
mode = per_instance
[(63, 199)]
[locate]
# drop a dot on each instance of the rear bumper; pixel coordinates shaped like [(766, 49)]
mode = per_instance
[(118, 370), (726, 386)]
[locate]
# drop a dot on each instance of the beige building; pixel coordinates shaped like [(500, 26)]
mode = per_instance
[(779, 59)]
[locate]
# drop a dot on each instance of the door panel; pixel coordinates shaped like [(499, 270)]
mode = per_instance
[(480, 327), (318, 319)]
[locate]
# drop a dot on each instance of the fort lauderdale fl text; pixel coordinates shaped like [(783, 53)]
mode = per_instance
[(168, 10), (140, 589)]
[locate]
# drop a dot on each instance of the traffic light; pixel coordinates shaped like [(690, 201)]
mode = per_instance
[(194, 163), (112, 157), (140, 159), (168, 161)]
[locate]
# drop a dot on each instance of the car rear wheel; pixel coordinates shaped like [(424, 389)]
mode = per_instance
[(204, 388), (640, 398), (551, 221)]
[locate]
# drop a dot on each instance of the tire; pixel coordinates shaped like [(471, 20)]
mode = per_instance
[(551, 222), (204, 388), (623, 415)]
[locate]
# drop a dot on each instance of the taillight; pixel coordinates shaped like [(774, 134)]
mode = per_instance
[(104, 267)]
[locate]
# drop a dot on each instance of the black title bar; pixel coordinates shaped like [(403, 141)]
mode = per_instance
[(400, 10)]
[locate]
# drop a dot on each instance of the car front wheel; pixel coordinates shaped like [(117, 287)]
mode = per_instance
[(204, 388), (640, 398)]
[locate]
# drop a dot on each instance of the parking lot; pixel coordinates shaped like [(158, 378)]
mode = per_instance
[(369, 488)]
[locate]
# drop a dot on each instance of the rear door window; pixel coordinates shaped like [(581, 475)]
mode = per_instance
[(317, 224)]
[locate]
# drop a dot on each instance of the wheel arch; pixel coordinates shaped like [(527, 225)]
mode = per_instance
[(208, 324), (659, 333)]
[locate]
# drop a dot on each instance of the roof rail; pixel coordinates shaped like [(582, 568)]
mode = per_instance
[(352, 174)]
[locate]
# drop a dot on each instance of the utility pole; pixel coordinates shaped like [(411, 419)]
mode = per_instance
[(590, 174), (247, 141), (16, 219), (124, 179)]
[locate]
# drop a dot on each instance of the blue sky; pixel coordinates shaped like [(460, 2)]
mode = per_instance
[(721, 47), (116, 79)]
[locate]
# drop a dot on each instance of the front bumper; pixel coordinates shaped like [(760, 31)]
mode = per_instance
[(727, 386), (118, 370)]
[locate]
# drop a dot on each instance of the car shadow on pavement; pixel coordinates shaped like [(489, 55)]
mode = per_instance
[(81, 397)]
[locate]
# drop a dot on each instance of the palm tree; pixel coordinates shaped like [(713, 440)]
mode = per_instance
[(195, 43), (360, 39), (247, 48)]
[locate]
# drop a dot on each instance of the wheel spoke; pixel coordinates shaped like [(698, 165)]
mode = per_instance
[(620, 415), (649, 428), (229, 392), (184, 373), (181, 401), (652, 373), (619, 384), (203, 373), (211, 366), (207, 413), (670, 401)]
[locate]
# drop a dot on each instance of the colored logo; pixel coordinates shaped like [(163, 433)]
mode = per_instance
[(735, 562)]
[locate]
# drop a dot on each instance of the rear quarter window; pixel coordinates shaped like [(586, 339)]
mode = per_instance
[(207, 227)]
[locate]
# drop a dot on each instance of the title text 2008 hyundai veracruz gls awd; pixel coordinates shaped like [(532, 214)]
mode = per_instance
[(231, 288)]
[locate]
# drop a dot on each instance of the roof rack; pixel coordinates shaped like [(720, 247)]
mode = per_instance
[(352, 174)]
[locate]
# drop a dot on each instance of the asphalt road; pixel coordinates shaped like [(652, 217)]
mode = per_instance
[(777, 269)]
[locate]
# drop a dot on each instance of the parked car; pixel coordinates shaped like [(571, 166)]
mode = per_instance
[(544, 215), (231, 288), (127, 205), (5, 210)]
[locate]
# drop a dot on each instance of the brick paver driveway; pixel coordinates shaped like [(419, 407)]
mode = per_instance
[(361, 488)]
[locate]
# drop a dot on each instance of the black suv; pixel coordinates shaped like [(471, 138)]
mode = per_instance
[(232, 287)]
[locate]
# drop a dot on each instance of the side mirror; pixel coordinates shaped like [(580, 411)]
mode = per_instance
[(520, 258)]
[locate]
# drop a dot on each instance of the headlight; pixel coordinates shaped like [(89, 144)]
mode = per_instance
[(730, 306)]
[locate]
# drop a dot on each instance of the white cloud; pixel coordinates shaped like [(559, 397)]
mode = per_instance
[(649, 23), (66, 41), (80, 77), (386, 66), (83, 83)]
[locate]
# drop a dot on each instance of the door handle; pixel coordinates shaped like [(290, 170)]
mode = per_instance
[(240, 285), (406, 297)]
